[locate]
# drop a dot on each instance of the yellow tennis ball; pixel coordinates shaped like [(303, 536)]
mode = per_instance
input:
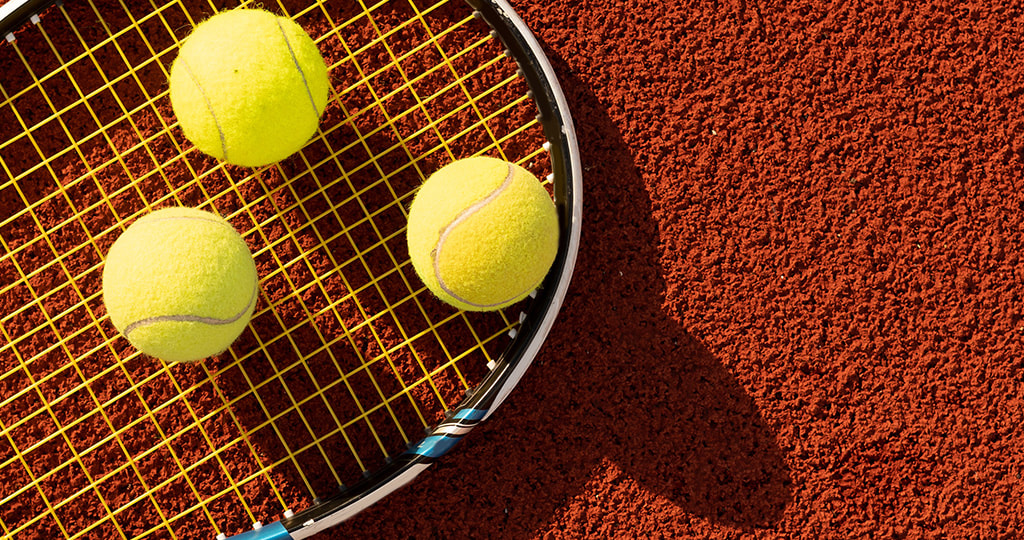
[(482, 233), (180, 284), (248, 87)]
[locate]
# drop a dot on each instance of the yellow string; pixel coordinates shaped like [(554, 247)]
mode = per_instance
[(339, 307)]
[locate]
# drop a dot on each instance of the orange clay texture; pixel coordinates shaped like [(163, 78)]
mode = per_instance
[(797, 308)]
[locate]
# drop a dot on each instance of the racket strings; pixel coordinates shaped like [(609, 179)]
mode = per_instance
[(376, 340)]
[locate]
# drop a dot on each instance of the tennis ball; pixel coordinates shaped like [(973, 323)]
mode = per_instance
[(180, 284), (248, 87), (482, 233)]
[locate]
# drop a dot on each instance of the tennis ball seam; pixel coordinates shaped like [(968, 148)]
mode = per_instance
[(149, 321), (435, 254), (141, 323), (209, 107), (298, 67), (209, 104)]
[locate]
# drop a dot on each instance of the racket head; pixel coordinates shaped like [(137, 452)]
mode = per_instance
[(326, 226)]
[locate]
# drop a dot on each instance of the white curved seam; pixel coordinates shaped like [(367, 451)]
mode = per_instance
[(298, 67), (192, 318), (209, 107), (459, 219)]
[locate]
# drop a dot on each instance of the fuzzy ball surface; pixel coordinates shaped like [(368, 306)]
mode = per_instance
[(482, 233), (248, 87), (180, 284)]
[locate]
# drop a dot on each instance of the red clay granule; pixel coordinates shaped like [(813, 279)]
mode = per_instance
[(796, 311)]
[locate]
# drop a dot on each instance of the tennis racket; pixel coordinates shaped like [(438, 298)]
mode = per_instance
[(351, 378)]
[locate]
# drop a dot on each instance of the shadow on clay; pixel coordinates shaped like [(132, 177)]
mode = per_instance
[(620, 393), (641, 391)]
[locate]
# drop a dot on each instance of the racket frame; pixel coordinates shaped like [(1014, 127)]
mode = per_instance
[(535, 323), (15, 13)]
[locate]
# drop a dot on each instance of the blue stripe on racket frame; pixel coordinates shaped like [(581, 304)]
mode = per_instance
[(449, 433)]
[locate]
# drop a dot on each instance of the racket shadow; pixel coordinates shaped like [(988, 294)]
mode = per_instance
[(624, 408)]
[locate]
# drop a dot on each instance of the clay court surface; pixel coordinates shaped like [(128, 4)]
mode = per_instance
[(797, 311)]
